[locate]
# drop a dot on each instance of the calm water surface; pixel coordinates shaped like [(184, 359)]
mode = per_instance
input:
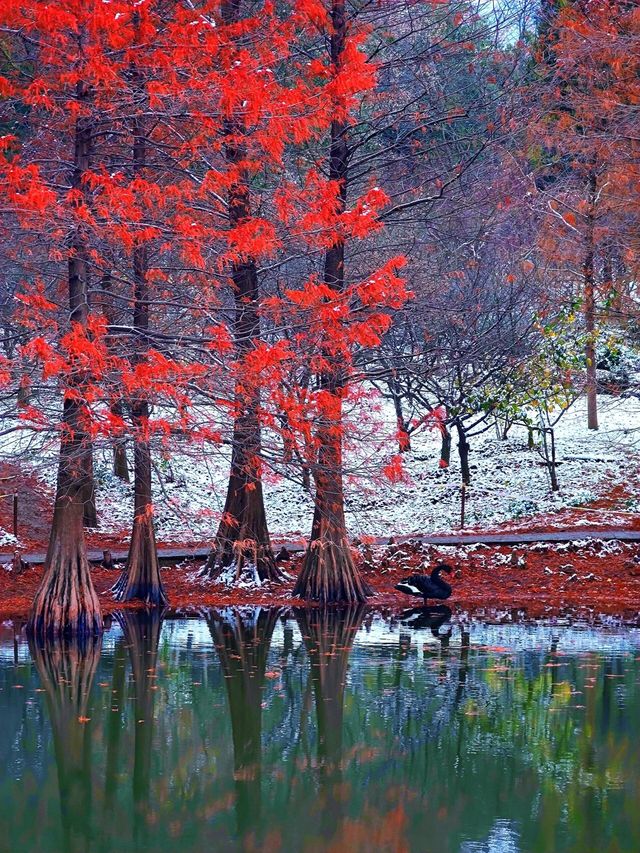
[(309, 731)]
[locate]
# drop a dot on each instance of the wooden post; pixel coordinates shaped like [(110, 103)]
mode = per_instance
[(463, 497), (18, 565), (15, 515), (554, 473)]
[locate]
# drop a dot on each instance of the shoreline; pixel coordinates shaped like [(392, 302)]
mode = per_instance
[(585, 577)]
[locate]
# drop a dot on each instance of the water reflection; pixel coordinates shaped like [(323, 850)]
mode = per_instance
[(264, 729), (242, 639), (328, 635), (66, 672), (432, 618), (141, 635)]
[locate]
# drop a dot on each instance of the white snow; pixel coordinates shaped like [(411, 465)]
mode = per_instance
[(509, 482), (7, 540)]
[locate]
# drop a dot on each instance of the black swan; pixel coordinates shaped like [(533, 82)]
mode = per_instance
[(427, 587)]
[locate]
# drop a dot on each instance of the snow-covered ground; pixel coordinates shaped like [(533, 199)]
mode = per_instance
[(509, 482)]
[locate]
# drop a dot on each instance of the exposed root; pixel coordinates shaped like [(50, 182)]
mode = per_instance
[(230, 558), (329, 574), (66, 604), (141, 580)]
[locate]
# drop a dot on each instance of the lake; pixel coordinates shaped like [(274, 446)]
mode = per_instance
[(264, 729)]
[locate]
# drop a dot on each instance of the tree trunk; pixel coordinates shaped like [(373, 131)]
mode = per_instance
[(555, 487), (120, 462), (445, 448), (66, 603), (404, 441), (329, 573), (119, 444), (549, 448), (610, 293), (89, 511), (243, 536), (141, 577), (463, 451), (590, 311), (24, 393), (291, 451)]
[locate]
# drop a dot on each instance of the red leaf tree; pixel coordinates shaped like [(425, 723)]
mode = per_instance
[(588, 93), (63, 44), (339, 313)]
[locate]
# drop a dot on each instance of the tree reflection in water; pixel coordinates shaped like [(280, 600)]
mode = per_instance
[(242, 638), (114, 726), (66, 670), (510, 736), (328, 635), (141, 631)]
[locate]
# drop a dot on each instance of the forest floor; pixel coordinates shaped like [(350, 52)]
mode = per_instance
[(598, 471), (582, 578), (599, 478), (599, 491)]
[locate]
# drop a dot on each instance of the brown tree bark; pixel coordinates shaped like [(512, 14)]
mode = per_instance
[(590, 310), (404, 439), (445, 447), (120, 461), (243, 536), (329, 573), (141, 577), (463, 452), (66, 603), (89, 509)]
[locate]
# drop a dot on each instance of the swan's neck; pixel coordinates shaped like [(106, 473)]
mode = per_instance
[(435, 577)]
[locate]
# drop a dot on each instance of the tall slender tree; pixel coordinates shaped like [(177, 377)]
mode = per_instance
[(243, 535), (329, 572), (66, 602), (141, 578), (261, 115)]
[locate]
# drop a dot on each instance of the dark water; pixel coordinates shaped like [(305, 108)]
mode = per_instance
[(243, 730)]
